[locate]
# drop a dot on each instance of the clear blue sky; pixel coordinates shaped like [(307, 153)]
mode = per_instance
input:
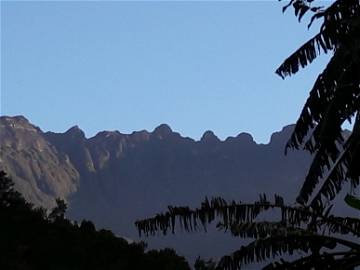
[(134, 65)]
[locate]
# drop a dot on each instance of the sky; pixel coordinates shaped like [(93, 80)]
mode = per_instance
[(130, 66)]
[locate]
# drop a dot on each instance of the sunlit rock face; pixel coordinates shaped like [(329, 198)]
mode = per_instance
[(41, 173), (114, 178)]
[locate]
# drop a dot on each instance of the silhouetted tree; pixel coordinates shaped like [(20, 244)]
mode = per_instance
[(298, 228), (32, 240), (87, 226), (8, 195), (334, 98), (58, 212), (308, 227)]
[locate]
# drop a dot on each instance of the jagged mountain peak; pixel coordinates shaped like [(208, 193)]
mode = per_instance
[(102, 176), (142, 135), (209, 137), (17, 122), (108, 134), (75, 131), (14, 119), (245, 137), (279, 136), (162, 131)]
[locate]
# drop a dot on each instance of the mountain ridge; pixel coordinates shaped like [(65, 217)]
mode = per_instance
[(155, 130), (114, 178)]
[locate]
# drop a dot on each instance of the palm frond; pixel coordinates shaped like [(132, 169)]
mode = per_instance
[(335, 260), (306, 54), (195, 219), (334, 99), (239, 218), (337, 21), (281, 243), (328, 136), (315, 222), (340, 225), (299, 228), (227, 212), (343, 166), (253, 229), (321, 95)]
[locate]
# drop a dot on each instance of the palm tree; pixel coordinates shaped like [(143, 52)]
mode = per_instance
[(298, 228), (308, 226), (334, 98)]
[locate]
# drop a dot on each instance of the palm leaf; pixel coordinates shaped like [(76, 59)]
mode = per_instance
[(335, 178), (336, 260), (195, 219), (281, 243), (297, 229), (333, 99), (329, 133), (337, 19), (233, 214)]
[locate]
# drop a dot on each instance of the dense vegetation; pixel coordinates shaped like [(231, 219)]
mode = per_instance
[(31, 239), (321, 239)]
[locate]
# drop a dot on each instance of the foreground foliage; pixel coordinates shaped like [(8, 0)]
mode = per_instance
[(334, 99), (318, 236), (31, 239), (308, 227)]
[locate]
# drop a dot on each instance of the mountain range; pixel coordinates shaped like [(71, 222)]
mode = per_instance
[(114, 179)]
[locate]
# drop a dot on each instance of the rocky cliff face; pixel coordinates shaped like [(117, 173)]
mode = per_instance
[(114, 178), (39, 170)]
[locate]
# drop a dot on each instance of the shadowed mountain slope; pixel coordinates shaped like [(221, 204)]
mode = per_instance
[(114, 178)]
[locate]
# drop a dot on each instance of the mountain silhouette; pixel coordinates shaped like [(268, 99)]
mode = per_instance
[(114, 179)]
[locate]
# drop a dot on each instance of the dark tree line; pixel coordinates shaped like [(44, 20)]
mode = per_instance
[(31, 239), (307, 226)]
